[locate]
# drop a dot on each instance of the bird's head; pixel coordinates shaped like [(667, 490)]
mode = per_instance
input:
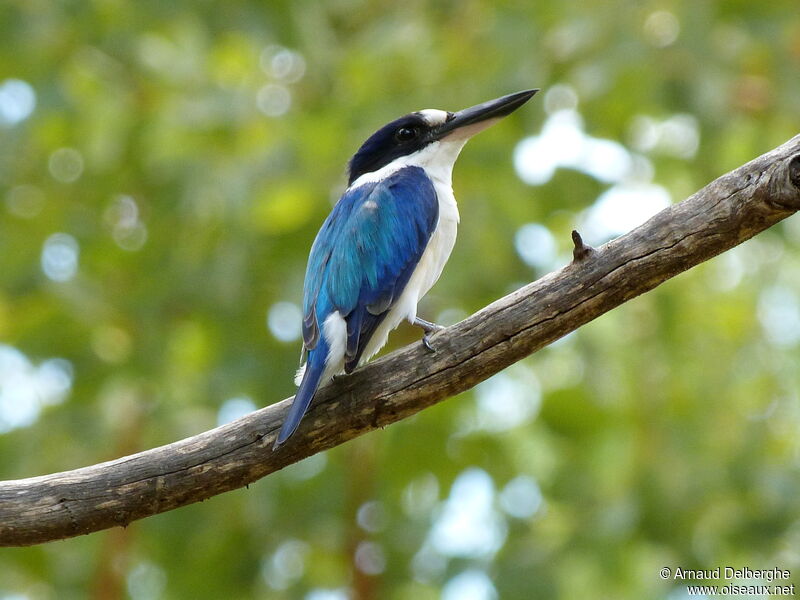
[(430, 138)]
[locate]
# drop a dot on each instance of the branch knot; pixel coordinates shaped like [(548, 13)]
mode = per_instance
[(794, 171), (784, 188), (581, 251)]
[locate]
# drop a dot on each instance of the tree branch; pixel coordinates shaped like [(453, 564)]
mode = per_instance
[(725, 213)]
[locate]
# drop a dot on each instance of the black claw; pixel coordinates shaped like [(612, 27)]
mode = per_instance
[(426, 341), (429, 329)]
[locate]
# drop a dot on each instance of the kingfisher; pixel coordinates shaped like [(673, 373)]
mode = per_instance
[(385, 242)]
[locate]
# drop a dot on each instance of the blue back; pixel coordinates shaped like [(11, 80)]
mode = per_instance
[(365, 253)]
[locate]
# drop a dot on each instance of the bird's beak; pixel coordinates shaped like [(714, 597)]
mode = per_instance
[(466, 123)]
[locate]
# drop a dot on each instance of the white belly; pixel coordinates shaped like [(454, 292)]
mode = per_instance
[(425, 274)]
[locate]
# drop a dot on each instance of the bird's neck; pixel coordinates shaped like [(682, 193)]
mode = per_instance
[(436, 159)]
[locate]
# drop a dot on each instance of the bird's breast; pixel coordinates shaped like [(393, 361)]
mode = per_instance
[(439, 247), (434, 257), (427, 271)]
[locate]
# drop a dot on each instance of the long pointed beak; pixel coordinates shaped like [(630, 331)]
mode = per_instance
[(466, 123)]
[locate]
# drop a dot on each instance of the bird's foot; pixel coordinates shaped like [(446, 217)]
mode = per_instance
[(429, 329), (426, 341)]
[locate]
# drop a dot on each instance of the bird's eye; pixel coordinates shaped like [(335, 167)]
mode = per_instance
[(405, 134)]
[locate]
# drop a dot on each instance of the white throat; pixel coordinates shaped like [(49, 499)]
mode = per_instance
[(437, 159)]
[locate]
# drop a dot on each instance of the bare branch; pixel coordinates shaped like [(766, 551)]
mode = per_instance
[(725, 213)]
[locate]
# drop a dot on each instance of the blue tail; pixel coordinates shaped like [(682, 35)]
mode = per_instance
[(315, 365)]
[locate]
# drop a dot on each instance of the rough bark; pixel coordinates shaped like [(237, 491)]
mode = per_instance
[(725, 213)]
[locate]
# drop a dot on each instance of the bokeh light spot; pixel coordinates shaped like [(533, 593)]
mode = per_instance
[(536, 246), (234, 408), (468, 525), (122, 218), (60, 257), (26, 389), (469, 585), (661, 28), (25, 201), (307, 468), (283, 63), (507, 400), (521, 497), (111, 344), (677, 135), (66, 165), (284, 320), (622, 208), (560, 97), (421, 495), (321, 594), (17, 101), (370, 558), (286, 565), (146, 581), (371, 516), (273, 100), (779, 314)]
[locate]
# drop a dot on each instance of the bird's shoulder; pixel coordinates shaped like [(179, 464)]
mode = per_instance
[(406, 183)]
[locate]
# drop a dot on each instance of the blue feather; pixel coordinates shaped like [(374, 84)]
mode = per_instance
[(360, 262), (376, 248), (315, 366)]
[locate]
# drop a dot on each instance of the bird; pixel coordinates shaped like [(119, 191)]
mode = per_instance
[(384, 243)]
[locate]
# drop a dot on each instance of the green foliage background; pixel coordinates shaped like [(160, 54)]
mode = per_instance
[(663, 434)]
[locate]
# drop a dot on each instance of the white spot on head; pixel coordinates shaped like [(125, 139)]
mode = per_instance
[(433, 116)]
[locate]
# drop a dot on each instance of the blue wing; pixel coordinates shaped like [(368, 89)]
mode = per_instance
[(360, 262), (365, 254)]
